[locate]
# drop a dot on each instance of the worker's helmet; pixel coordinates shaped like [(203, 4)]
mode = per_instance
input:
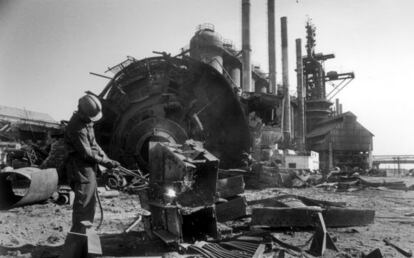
[(91, 107)]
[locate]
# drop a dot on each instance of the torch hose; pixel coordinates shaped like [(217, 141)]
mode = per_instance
[(100, 208)]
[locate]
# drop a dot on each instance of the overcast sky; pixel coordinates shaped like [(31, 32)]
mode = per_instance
[(48, 48)]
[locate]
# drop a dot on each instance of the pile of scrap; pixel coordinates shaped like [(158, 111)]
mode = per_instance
[(260, 244), (350, 183), (22, 155), (271, 176), (188, 199), (291, 212)]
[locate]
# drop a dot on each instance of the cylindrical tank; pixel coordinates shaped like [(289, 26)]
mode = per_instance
[(207, 46), (171, 99), (26, 186), (235, 74)]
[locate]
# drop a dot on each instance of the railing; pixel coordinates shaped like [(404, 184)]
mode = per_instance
[(206, 26)]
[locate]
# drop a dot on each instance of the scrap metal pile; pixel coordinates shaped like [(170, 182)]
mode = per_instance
[(194, 207), (349, 182)]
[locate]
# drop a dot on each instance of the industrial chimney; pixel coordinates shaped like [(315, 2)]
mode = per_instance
[(246, 49), (301, 99), (271, 45), (285, 75)]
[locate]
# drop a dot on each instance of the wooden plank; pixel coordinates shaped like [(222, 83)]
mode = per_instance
[(233, 209), (230, 186), (305, 217)]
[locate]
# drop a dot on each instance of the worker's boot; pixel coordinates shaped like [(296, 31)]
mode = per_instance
[(78, 245)]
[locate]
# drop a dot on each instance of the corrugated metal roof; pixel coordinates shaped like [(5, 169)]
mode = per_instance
[(25, 114), (324, 129), (331, 124)]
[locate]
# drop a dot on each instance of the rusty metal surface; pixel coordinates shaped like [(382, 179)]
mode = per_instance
[(171, 99), (43, 182)]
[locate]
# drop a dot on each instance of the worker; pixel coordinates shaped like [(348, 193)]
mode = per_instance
[(84, 156)]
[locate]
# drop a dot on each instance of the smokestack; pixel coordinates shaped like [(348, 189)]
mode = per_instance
[(337, 107), (246, 50), (285, 74), (301, 99), (340, 108), (271, 45)]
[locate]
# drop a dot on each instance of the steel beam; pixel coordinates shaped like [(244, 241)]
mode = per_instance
[(306, 217), (233, 209), (230, 186)]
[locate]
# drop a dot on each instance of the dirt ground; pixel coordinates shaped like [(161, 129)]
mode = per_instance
[(40, 230)]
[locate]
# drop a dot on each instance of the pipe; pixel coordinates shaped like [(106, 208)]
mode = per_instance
[(26, 186), (285, 75), (301, 99), (235, 76), (271, 45), (246, 49), (337, 108)]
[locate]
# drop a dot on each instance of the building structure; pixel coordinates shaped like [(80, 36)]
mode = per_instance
[(306, 122), (213, 85), (338, 137), (22, 124)]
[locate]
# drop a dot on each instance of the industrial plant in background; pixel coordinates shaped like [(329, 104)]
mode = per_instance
[(211, 93)]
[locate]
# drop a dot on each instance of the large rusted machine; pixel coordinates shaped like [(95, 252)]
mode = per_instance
[(171, 99)]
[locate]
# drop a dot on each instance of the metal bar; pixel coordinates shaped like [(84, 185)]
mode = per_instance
[(217, 252), (400, 250), (100, 75), (202, 251), (340, 89), (335, 88), (239, 247), (138, 220)]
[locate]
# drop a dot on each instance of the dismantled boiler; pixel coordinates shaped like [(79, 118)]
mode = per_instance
[(170, 99)]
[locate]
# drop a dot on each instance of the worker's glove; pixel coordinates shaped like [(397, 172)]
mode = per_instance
[(112, 164)]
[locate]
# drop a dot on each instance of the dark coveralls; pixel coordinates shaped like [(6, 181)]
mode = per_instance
[(84, 155)]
